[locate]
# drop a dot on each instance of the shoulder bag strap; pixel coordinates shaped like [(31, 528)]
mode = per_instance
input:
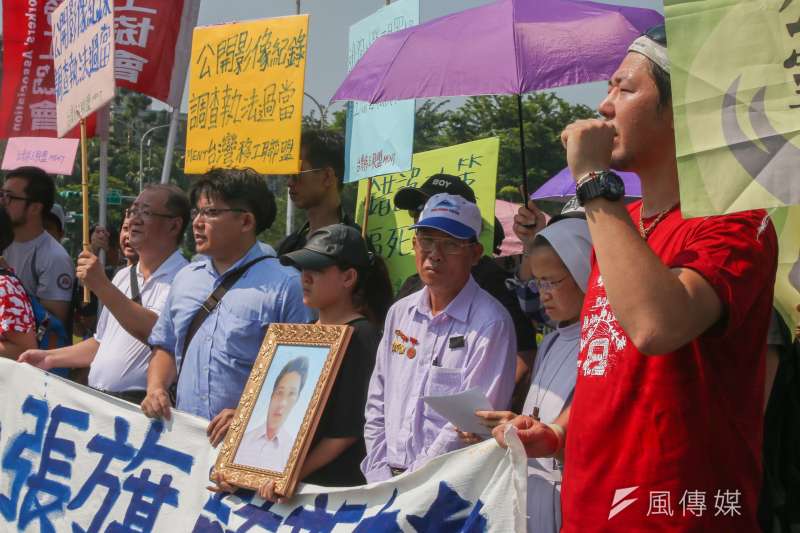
[(211, 302), (136, 296)]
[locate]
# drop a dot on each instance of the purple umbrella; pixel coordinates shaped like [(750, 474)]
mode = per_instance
[(507, 47), (561, 187)]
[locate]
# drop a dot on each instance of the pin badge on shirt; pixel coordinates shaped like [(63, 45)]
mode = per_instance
[(456, 342), (412, 351)]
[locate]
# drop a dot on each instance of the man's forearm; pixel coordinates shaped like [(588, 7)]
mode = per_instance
[(78, 355), (649, 300), (133, 317), (161, 372), (325, 451)]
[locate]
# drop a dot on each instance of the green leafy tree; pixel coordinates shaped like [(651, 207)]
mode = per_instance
[(437, 125), (545, 116)]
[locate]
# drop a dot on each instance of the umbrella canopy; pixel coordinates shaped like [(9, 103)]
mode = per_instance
[(507, 47), (561, 187)]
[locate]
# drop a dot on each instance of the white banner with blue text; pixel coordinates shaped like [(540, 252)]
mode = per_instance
[(75, 460)]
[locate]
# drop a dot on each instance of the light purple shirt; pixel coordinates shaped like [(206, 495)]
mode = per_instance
[(471, 343)]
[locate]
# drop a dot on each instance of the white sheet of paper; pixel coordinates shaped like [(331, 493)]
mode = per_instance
[(459, 409)]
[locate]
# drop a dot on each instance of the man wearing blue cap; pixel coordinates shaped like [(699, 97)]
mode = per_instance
[(447, 338)]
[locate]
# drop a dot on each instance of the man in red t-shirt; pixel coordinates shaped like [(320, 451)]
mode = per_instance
[(664, 432)]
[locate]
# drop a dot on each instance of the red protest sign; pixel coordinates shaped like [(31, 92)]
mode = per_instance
[(144, 30)]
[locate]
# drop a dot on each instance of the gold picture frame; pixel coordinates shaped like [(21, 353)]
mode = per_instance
[(284, 347)]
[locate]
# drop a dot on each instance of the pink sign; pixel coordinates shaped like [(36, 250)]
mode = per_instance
[(55, 156)]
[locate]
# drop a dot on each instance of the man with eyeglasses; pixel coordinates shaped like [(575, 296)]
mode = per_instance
[(447, 338), (209, 334), (39, 260), (118, 354), (667, 411), (316, 189), (487, 274)]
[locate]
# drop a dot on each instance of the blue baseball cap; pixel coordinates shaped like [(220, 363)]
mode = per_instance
[(451, 214)]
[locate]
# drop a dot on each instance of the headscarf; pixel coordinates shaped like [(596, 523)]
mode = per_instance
[(571, 240), (651, 48)]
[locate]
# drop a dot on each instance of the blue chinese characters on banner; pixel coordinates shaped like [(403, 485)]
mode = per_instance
[(41, 492)]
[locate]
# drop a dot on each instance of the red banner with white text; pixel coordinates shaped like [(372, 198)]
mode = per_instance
[(147, 34)]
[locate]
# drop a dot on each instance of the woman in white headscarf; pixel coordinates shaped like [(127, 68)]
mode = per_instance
[(559, 263)]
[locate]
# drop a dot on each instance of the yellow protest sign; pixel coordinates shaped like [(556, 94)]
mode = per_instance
[(246, 95), (388, 228)]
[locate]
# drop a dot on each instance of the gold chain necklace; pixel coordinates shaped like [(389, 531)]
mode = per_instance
[(645, 232)]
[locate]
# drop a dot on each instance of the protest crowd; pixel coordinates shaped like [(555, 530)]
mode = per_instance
[(658, 344)]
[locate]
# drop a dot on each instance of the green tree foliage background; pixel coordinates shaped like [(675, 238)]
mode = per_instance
[(438, 125)]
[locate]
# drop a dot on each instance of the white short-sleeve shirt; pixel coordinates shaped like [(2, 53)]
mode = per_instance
[(121, 360)]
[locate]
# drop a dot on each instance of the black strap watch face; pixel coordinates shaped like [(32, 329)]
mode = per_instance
[(606, 185)]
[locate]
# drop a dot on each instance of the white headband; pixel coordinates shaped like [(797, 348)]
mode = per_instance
[(651, 50)]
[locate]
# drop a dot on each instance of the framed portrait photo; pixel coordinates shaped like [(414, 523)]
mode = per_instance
[(281, 405)]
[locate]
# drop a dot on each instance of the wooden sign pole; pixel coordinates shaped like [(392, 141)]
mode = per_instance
[(367, 199), (85, 195)]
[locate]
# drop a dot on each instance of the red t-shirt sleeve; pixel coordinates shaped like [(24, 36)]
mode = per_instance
[(737, 254)]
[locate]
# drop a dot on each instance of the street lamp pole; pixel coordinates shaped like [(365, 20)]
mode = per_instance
[(321, 108), (289, 203), (141, 153)]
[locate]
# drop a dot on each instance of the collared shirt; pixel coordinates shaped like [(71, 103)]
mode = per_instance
[(222, 352), (471, 343), (120, 363), (259, 451), (494, 280)]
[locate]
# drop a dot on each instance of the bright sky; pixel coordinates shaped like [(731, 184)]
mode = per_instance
[(330, 21)]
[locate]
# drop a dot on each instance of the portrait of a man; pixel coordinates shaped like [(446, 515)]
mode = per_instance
[(267, 443)]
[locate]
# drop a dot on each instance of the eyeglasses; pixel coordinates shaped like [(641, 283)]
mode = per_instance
[(214, 212), (7, 197), (145, 213), (657, 34), (297, 175), (445, 246), (545, 286)]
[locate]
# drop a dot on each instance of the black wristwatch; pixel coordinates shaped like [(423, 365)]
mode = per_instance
[(600, 184)]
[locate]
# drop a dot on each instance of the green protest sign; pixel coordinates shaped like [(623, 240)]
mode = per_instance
[(736, 100), (388, 229)]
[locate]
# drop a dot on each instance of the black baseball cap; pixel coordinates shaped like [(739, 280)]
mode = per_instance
[(336, 244), (414, 198)]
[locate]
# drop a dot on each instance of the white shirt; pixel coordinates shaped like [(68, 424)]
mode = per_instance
[(552, 386), (121, 360), (50, 275), (258, 451)]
